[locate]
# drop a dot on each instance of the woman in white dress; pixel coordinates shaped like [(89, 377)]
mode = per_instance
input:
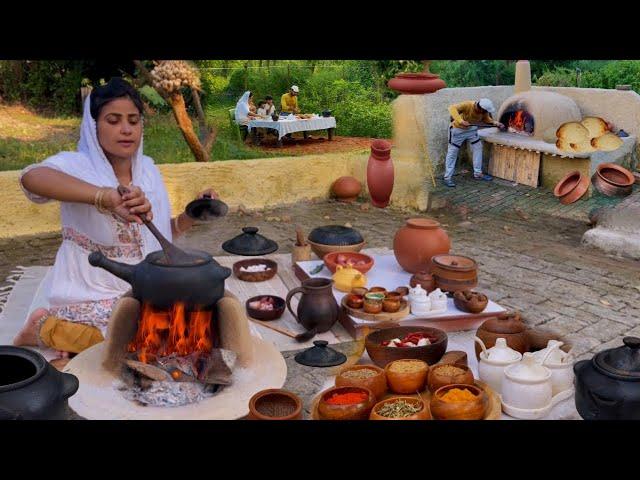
[(243, 111), (95, 217)]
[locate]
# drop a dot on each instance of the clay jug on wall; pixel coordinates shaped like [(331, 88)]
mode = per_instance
[(418, 241), (380, 173)]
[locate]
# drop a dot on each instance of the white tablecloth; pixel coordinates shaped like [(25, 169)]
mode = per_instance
[(284, 126)]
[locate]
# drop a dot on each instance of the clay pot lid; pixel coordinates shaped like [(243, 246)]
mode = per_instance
[(206, 208), (455, 262), (320, 355), (505, 323), (423, 223), (335, 235), (527, 370), (250, 243), (621, 362)]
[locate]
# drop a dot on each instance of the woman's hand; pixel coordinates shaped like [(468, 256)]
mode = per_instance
[(209, 191), (128, 206)]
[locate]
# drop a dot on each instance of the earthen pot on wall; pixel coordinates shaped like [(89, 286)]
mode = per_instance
[(380, 173), (346, 189), (508, 326), (418, 241), (417, 83)]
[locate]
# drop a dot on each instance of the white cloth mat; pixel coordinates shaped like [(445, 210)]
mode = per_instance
[(284, 126)]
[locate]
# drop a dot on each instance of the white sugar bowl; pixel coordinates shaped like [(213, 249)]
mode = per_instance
[(438, 300), (494, 360), (560, 365), (527, 384), (419, 301)]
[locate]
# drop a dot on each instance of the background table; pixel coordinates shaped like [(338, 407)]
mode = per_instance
[(284, 126)]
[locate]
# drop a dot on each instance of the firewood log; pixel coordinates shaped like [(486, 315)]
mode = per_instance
[(149, 371), (218, 368)]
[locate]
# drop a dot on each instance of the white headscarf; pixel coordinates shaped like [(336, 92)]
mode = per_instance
[(90, 164), (242, 107)]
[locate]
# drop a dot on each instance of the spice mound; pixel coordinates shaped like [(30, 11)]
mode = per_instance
[(398, 409), (360, 373), (350, 398), (458, 395), (261, 267), (449, 370), (265, 303), (414, 339), (407, 366)]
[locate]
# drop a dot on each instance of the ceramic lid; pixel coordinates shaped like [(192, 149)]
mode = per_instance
[(622, 362), (455, 262), (501, 352), (250, 243), (528, 370), (320, 355), (206, 208), (335, 235), (424, 223)]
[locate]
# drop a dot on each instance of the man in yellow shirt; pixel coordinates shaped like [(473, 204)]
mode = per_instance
[(289, 100), (462, 116)]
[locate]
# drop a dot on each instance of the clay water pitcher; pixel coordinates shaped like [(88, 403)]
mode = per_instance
[(508, 326), (317, 309)]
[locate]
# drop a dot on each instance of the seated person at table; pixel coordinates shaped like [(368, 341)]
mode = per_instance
[(243, 111), (95, 216), (290, 100), (266, 107)]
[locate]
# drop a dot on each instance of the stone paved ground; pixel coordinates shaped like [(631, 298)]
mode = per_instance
[(530, 259)]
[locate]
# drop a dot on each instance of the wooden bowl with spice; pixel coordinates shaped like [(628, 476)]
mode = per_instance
[(459, 402), (366, 376), (406, 376), (255, 269), (447, 374), (346, 403), (381, 354), (275, 404), (400, 408)]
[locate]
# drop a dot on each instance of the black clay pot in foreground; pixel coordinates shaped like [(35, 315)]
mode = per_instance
[(30, 388)]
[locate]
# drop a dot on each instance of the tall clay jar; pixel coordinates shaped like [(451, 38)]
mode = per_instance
[(418, 241), (380, 173)]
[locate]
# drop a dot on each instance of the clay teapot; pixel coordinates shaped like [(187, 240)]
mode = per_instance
[(317, 310), (347, 278), (507, 325)]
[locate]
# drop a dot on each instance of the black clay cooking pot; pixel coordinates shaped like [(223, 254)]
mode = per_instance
[(30, 388), (153, 280), (608, 385)]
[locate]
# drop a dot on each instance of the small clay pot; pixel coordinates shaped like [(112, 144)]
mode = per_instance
[(424, 279), (355, 301), (470, 410), (360, 291), (390, 305), (372, 305), (407, 382), (377, 383), (438, 378), (404, 291), (356, 411), (346, 189), (472, 302), (377, 290), (275, 404), (571, 188), (507, 325)]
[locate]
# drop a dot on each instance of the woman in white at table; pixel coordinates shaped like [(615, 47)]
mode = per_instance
[(243, 110)]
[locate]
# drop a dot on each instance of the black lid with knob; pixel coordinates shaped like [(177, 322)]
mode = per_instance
[(320, 355), (206, 208), (250, 243), (622, 362)]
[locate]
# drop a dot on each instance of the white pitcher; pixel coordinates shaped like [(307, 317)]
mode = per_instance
[(560, 365), (494, 360)]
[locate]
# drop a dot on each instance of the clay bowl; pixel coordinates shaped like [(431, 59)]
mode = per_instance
[(272, 269), (406, 382), (615, 174), (356, 411), (439, 378), (571, 188), (468, 410), (381, 355), (355, 301), (275, 404), (330, 260), (608, 189), (390, 305), (321, 249), (360, 291), (278, 308), (377, 384), (476, 304), (423, 414), (378, 290)]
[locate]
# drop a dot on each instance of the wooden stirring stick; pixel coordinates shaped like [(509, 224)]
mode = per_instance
[(274, 328)]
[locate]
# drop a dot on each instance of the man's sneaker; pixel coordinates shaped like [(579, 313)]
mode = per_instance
[(485, 177), (449, 183)]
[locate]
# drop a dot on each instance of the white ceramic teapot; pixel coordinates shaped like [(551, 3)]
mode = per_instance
[(419, 301), (560, 365), (438, 300), (494, 360), (527, 384)]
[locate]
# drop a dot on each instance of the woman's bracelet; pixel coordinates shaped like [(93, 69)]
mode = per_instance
[(97, 201)]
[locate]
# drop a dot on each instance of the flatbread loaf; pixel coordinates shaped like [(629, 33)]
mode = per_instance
[(607, 142), (596, 126), (573, 132)]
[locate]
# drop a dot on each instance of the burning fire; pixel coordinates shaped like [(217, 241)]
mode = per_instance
[(175, 331), (518, 122)]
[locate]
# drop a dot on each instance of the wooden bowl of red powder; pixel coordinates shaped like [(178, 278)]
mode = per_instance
[(346, 403)]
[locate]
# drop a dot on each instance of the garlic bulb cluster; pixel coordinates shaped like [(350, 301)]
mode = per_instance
[(171, 75)]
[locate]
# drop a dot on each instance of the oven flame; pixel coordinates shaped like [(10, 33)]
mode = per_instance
[(517, 121), (174, 331)]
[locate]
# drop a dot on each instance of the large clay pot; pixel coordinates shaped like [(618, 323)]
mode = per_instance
[(380, 173), (418, 241), (454, 273), (508, 326), (346, 189), (416, 83), (317, 310)]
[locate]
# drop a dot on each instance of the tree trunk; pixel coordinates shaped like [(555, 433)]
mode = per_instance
[(176, 100), (202, 122)]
